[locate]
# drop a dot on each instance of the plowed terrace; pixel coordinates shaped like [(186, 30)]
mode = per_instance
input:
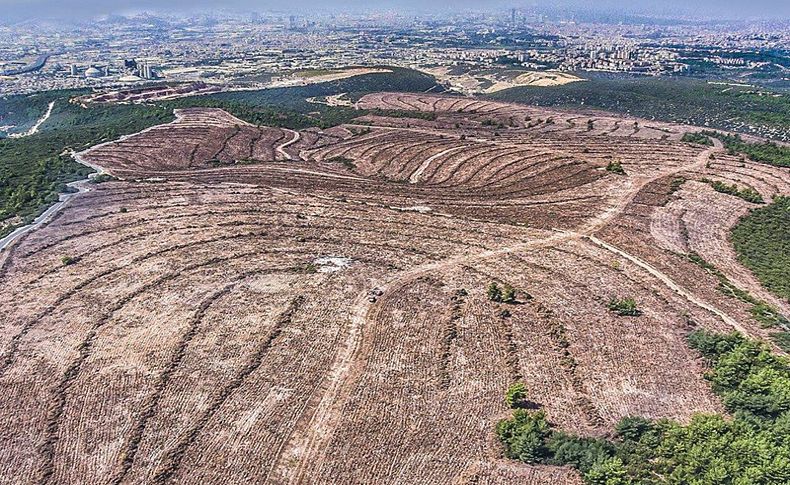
[(259, 305)]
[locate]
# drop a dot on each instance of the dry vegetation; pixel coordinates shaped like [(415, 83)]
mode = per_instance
[(196, 335)]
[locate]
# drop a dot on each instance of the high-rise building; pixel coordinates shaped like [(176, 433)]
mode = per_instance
[(73, 70), (146, 71)]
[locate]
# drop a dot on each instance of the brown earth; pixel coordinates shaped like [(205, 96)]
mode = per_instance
[(201, 338)]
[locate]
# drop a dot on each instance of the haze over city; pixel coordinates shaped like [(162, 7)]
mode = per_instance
[(74, 9)]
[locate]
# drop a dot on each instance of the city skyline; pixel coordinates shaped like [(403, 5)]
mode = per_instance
[(18, 10)]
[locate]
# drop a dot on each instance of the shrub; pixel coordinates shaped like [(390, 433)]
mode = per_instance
[(68, 260), (101, 178), (346, 162), (310, 268), (524, 436), (625, 307), (615, 167), (508, 294), (516, 395), (123, 210), (494, 293)]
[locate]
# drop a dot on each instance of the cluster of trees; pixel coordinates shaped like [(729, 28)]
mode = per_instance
[(33, 170), (767, 152), (684, 101), (697, 138), (762, 241), (748, 194), (751, 448)]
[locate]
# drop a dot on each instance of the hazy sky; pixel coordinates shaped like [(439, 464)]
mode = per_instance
[(772, 9)]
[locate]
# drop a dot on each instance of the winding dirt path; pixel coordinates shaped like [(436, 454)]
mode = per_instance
[(670, 283), (309, 448), (281, 149)]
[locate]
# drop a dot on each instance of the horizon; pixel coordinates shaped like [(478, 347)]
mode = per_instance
[(73, 10)]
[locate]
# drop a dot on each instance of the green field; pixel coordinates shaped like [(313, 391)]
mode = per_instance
[(682, 100), (33, 170)]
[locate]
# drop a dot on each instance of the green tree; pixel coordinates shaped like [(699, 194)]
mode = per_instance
[(608, 472), (516, 395)]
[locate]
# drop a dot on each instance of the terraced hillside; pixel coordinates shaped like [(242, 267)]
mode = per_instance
[(261, 305)]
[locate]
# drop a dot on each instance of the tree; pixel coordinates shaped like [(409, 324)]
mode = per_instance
[(494, 293), (608, 472), (615, 167), (515, 395)]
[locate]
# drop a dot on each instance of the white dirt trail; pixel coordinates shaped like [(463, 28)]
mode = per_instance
[(34, 129), (671, 284), (309, 448), (281, 149), (415, 176)]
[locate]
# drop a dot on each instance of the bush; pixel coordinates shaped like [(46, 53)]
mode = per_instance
[(508, 294), (494, 293), (68, 260), (748, 194), (102, 177), (615, 167), (625, 307), (516, 395), (524, 436)]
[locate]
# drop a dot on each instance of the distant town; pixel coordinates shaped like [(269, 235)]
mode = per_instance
[(266, 49)]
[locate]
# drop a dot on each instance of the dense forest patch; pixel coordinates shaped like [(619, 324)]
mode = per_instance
[(762, 240)]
